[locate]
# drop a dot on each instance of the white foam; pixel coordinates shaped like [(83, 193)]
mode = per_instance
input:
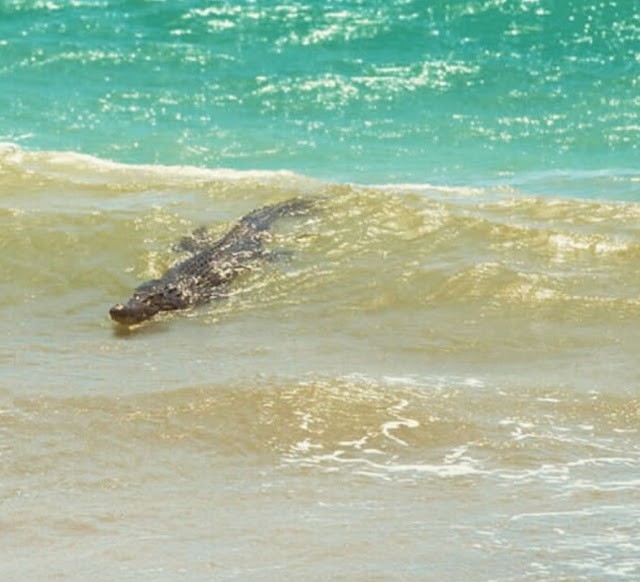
[(426, 188), (85, 168), (373, 468), (392, 425)]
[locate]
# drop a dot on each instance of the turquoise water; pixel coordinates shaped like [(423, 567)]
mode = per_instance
[(543, 95)]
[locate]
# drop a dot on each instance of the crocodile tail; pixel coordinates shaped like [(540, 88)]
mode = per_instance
[(263, 218)]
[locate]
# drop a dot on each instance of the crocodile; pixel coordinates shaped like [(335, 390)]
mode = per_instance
[(213, 264)]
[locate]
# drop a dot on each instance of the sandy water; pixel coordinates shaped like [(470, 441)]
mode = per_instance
[(433, 384), (440, 382)]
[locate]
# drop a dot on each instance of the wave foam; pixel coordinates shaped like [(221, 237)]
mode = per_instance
[(88, 169)]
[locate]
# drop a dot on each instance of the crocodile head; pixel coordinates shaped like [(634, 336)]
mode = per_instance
[(147, 300), (132, 312)]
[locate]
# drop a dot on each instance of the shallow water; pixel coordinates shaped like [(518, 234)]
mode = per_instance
[(439, 378), (432, 384)]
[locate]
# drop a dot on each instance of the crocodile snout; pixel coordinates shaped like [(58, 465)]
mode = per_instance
[(132, 313)]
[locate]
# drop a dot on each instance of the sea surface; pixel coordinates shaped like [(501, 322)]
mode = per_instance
[(438, 378)]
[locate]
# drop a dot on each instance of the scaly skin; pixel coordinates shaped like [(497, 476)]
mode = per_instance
[(205, 274)]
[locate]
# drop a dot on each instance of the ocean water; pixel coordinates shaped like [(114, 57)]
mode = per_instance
[(438, 380), (369, 91)]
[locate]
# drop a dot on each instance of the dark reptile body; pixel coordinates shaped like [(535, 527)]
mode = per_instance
[(206, 274)]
